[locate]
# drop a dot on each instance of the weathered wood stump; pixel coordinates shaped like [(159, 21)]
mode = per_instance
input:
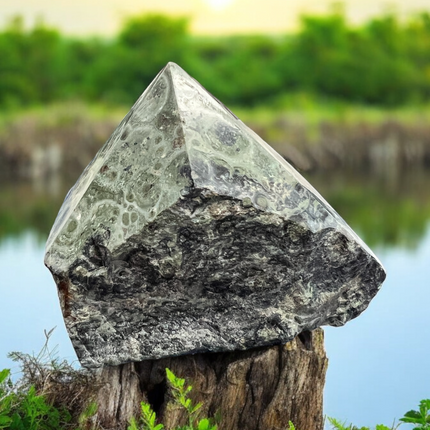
[(257, 389)]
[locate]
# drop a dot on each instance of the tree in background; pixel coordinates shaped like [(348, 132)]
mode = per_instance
[(384, 61), (126, 66), (29, 63)]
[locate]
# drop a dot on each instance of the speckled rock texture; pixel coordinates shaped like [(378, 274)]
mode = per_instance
[(188, 233)]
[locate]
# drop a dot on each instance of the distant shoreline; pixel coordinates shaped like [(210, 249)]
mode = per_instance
[(38, 143)]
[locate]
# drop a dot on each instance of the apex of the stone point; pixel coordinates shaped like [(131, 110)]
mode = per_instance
[(173, 68), (173, 65)]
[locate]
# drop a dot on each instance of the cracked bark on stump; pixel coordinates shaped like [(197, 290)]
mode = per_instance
[(256, 389)]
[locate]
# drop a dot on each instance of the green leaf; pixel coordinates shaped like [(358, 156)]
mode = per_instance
[(411, 417), (204, 424), (177, 383), (423, 412), (170, 376), (133, 425), (337, 425), (291, 426), (196, 408), (91, 409), (4, 374), (5, 421)]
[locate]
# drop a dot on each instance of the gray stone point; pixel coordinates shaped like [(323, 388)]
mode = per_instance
[(188, 233)]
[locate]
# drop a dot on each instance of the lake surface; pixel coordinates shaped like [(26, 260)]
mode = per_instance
[(378, 363)]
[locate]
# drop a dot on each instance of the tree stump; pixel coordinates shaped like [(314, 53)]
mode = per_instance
[(257, 389)]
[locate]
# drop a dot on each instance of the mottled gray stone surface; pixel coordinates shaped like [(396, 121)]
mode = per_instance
[(189, 233)]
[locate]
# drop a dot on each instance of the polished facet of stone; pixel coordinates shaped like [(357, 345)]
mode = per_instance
[(187, 232)]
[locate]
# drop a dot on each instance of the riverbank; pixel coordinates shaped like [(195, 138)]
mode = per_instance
[(40, 142)]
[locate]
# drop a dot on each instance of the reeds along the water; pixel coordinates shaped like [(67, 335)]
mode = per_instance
[(380, 147), (37, 150)]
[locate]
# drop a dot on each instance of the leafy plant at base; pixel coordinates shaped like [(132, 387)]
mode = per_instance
[(5, 399), (421, 417), (26, 410), (147, 418), (50, 394), (86, 418), (180, 394), (337, 425)]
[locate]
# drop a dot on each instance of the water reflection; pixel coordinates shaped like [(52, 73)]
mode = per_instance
[(30, 206), (386, 210)]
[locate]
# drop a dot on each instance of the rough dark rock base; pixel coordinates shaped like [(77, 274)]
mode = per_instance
[(219, 276), (258, 389)]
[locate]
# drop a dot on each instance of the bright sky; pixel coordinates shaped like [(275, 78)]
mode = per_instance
[(85, 17)]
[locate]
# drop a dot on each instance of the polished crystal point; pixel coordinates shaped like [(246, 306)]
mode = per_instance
[(188, 233)]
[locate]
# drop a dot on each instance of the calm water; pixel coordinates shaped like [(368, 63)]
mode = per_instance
[(378, 363)]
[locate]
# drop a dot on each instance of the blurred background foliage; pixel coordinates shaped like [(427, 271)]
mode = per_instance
[(349, 106), (384, 61)]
